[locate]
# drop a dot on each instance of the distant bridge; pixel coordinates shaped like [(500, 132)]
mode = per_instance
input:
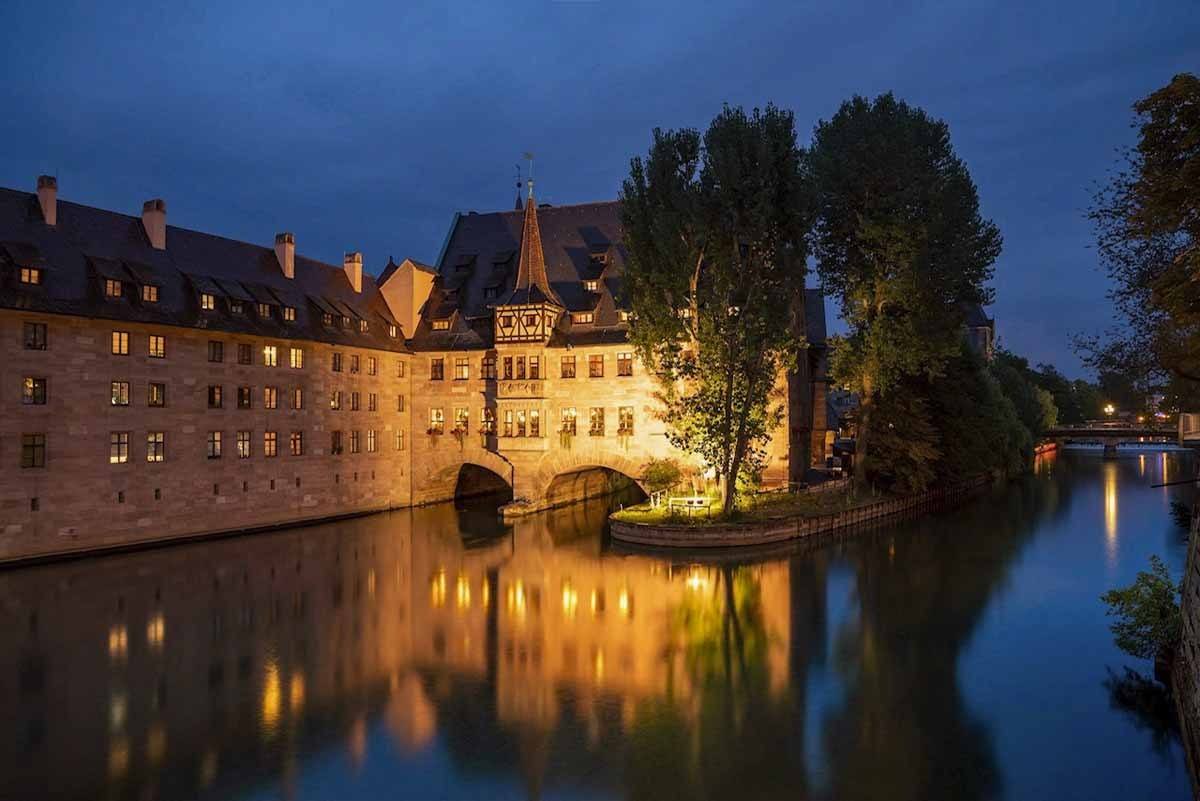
[(1112, 434)]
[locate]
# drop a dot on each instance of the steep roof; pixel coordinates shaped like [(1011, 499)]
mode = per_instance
[(532, 285), (975, 317), (89, 244)]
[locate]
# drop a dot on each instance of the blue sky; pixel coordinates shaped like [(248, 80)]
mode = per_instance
[(367, 127)]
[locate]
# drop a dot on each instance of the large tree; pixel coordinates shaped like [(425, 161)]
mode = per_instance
[(900, 243), (1147, 222), (715, 229)]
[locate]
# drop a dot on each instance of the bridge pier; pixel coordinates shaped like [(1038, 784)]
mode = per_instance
[(1110, 450)]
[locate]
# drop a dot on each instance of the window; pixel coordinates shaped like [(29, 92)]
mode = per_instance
[(337, 362), (335, 399), (567, 421), (31, 275), (508, 422), (270, 397), (372, 402), (462, 369), (437, 369), (149, 293), (591, 285), (269, 443), (371, 441), (118, 447), (625, 421), (441, 325), (596, 421), (120, 393), (214, 444), (289, 314), (487, 367), (270, 356), (568, 367), (296, 355), (520, 368), (462, 419), (156, 446), (354, 363), (535, 423), (297, 443), (158, 346), (208, 301), (399, 403), (33, 391), (264, 310), (399, 440), (354, 407), (535, 367), (372, 365), (624, 315), (508, 368), (327, 319), (399, 369), (236, 307), (298, 398), (490, 292), (216, 351), (624, 364), (363, 326), (214, 396), (112, 289), (596, 366), (393, 331), (245, 353), (335, 442), (120, 343), (354, 444), (156, 394), (243, 444), (487, 420), (35, 336), (33, 450), (245, 398), (582, 317), (520, 423), (437, 421)]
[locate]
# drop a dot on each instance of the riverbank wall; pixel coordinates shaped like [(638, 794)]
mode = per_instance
[(1187, 663), (768, 532)]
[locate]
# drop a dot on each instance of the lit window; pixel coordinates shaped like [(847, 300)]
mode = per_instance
[(156, 446), (120, 343), (535, 423), (392, 331), (214, 396), (520, 423), (371, 441), (625, 421), (624, 364), (591, 286), (462, 369), (270, 356), (487, 420), (327, 319), (118, 447), (441, 325), (243, 444), (298, 398), (214, 444), (236, 307), (362, 326), (437, 421), (399, 369), (399, 440), (354, 442), (345, 321), (582, 317), (567, 421), (297, 443), (112, 289), (596, 366), (289, 314), (207, 301), (149, 293), (508, 422), (335, 399), (372, 365), (462, 419), (624, 316), (31, 275), (120, 393), (297, 358), (269, 443), (596, 421), (270, 397), (33, 391), (156, 394), (399, 403), (33, 450), (264, 310), (567, 369), (372, 402), (158, 346)]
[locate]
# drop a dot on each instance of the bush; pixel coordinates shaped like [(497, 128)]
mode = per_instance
[(1147, 611), (661, 474)]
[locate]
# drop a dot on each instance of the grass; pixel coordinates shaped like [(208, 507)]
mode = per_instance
[(759, 507)]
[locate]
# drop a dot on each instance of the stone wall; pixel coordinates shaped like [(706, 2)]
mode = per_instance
[(81, 501), (1187, 665)]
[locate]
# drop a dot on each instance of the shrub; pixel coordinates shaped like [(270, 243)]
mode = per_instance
[(1147, 611)]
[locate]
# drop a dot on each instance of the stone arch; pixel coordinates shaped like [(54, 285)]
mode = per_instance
[(437, 479), (630, 467)]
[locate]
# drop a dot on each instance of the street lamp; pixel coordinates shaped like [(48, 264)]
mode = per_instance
[(1109, 409)]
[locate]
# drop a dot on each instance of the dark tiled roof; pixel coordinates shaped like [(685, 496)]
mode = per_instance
[(580, 242), (89, 244)]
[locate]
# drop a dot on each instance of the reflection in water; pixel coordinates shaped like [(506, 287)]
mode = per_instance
[(827, 672)]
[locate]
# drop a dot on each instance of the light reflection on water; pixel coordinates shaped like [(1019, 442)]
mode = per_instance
[(922, 661)]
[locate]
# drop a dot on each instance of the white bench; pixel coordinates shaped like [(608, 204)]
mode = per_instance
[(690, 503)]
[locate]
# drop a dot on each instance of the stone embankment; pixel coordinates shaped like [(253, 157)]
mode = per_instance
[(775, 530), (1187, 661)]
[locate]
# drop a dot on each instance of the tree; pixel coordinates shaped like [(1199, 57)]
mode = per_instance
[(1147, 611), (1034, 405), (900, 242), (715, 230), (1147, 223)]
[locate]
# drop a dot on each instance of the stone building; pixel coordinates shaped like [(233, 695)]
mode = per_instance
[(163, 383)]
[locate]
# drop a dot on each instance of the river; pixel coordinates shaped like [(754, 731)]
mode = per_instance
[(432, 653)]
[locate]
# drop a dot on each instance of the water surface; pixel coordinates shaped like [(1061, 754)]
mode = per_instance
[(435, 654)]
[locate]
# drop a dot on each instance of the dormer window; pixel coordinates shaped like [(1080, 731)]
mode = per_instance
[(327, 319), (490, 292), (362, 326), (441, 325), (264, 310), (289, 314), (149, 293), (345, 322), (112, 289), (236, 307), (625, 315), (598, 259), (392, 331), (208, 302), (31, 276), (583, 317)]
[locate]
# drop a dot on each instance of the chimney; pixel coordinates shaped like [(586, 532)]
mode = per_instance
[(154, 220), (285, 252), (48, 198), (352, 264)]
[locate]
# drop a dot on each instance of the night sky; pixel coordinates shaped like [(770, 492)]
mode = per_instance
[(366, 129)]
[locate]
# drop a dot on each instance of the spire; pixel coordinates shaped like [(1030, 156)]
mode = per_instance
[(532, 284)]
